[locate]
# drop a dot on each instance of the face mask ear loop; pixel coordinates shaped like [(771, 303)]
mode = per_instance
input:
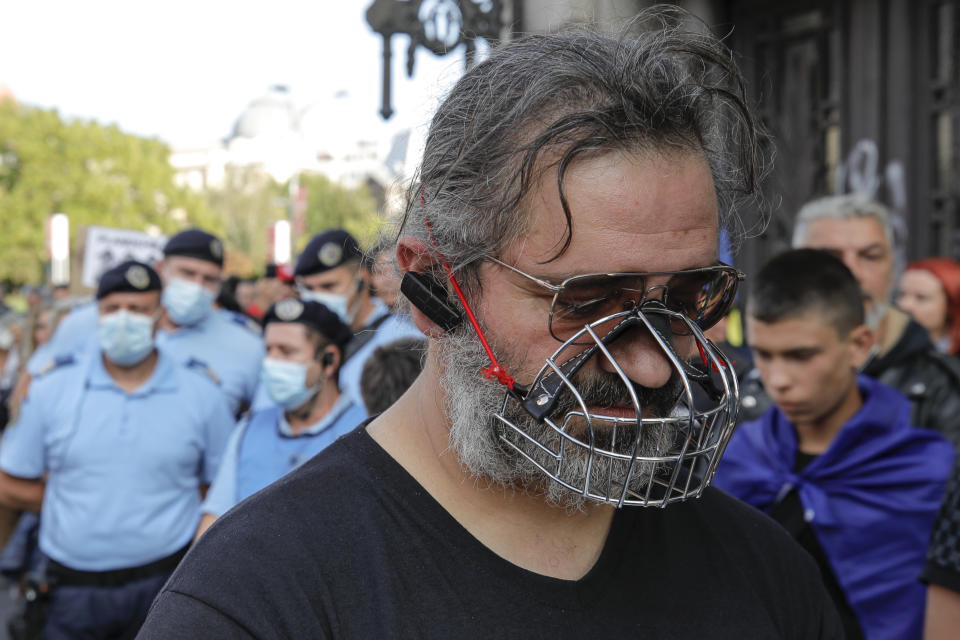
[(494, 371)]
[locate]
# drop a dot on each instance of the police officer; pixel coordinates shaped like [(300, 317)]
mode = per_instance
[(190, 330), (114, 446), (305, 343), (331, 271)]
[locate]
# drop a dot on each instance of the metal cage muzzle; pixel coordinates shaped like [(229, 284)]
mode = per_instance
[(640, 460)]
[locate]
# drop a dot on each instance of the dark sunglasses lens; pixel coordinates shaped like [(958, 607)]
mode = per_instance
[(586, 300), (703, 297), (715, 298)]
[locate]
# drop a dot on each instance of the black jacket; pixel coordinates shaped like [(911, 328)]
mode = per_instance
[(929, 379)]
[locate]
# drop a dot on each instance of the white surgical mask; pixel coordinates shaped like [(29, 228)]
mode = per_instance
[(187, 303), (126, 338), (336, 302), (286, 383)]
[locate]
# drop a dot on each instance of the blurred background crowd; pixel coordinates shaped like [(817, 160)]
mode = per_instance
[(860, 99)]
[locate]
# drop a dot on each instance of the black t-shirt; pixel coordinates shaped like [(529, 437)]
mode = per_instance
[(943, 556), (351, 546)]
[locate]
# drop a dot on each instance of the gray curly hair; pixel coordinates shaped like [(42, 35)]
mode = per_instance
[(563, 95)]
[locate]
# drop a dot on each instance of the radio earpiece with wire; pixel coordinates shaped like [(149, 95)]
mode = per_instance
[(428, 294)]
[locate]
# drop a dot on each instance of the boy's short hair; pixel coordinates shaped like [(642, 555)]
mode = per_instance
[(807, 281), (389, 372)]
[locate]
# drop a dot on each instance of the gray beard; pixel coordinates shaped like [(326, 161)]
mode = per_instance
[(476, 436)]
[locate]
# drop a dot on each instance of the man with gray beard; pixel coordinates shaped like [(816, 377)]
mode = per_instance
[(559, 251), (481, 450)]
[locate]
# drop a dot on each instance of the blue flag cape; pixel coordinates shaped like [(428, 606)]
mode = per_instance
[(871, 500)]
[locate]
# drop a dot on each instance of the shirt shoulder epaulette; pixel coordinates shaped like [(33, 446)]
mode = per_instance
[(203, 368), (246, 322), (56, 363)]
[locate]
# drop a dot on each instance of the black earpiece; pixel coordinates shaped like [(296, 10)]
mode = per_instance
[(327, 359), (429, 295)]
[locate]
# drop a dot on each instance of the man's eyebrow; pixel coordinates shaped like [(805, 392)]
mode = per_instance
[(809, 350), (872, 246), (558, 278)]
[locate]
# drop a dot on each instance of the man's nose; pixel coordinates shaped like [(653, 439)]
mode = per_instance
[(906, 304), (640, 357), (850, 260), (775, 377)]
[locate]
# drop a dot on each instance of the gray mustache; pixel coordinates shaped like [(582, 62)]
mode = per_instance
[(609, 390)]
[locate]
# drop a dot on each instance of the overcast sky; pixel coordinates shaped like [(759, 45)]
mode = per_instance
[(183, 70)]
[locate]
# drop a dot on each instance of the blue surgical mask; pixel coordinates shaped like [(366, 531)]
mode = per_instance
[(126, 338), (336, 302), (286, 383), (187, 303)]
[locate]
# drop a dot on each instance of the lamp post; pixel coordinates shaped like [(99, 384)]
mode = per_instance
[(436, 25)]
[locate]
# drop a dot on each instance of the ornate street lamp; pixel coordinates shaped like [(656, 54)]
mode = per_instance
[(437, 25)]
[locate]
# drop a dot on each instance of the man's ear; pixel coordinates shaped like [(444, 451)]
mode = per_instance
[(861, 342), (413, 256), (330, 361)]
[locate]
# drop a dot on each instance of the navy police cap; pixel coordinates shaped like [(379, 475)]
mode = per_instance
[(128, 277), (196, 243), (327, 250), (312, 314)]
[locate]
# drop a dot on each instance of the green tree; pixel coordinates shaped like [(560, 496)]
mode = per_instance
[(97, 175), (332, 206), (248, 203)]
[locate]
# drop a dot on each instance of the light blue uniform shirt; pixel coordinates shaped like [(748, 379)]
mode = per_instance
[(72, 337), (124, 468), (233, 353), (393, 328), (241, 320), (263, 449)]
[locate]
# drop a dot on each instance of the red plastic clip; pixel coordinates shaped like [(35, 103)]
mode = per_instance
[(706, 361)]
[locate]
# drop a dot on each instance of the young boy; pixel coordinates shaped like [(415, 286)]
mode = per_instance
[(836, 460)]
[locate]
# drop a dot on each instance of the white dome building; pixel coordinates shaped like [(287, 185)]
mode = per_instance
[(272, 115), (267, 135), (272, 135)]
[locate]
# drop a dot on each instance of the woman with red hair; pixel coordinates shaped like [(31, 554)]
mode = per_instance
[(930, 292)]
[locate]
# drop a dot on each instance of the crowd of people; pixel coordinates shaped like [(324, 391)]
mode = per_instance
[(165, 397), (526, 448)]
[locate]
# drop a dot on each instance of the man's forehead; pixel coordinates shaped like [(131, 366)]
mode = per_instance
[(285, 332), (122, 298), (191, 264), (656, 212), (800, 331), (331, 275), (846, 233)]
